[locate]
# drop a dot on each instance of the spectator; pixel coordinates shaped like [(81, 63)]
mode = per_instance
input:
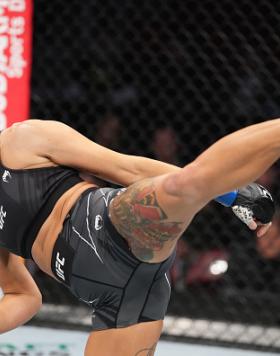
[(269, 178), (108, 132), (165, 145), (269, 245)]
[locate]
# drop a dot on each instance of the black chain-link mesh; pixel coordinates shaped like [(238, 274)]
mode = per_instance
[(166, 79)]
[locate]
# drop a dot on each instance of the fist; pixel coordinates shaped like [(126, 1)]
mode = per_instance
[(254, 206)]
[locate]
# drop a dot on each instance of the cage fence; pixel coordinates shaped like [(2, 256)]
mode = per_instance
[(165, 80)]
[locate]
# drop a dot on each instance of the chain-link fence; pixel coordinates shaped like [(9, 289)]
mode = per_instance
[(166, 79)]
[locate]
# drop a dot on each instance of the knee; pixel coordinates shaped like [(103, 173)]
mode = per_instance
[(190, 182)]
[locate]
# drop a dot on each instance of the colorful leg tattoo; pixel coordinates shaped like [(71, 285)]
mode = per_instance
[(139, 218)]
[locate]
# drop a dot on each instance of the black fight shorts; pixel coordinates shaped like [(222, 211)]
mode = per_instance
[(92, 259)]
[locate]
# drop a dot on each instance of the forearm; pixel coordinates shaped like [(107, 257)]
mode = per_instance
[(237, 159), (145, 168), (17, 309), (131, 169)]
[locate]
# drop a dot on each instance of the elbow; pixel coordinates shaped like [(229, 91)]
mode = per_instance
[(34, 304), (18, 309)]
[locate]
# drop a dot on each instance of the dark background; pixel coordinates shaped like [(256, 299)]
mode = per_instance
[(123, 72)]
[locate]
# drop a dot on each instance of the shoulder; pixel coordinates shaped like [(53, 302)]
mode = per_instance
[(32, 133), (37, 127), (30, 127), (30, 138)]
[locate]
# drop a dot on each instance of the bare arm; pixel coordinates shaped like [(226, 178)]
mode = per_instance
[(233, 161), (22, 299), (65, 146), (56, 142)]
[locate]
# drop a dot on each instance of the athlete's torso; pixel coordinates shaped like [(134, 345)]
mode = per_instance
[(27, 197), (30, 185)]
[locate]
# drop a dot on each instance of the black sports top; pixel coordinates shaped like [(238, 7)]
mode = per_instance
[(27, 197)]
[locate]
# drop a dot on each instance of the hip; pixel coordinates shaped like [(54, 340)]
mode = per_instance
[(96, 264), (43, 245)]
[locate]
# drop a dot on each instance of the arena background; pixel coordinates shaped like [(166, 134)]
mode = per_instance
[(166, 79)]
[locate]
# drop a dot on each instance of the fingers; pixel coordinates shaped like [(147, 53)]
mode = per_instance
[(253, 225), (247, 217), (263, 229)]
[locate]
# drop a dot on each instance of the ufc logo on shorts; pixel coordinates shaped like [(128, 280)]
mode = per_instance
[(6, 176), (59, 263)]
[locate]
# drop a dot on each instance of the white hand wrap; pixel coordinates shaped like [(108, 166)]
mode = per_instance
[(244, 213), (254, 203)]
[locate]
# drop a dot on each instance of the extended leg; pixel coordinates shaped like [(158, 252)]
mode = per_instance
[(152, 214)]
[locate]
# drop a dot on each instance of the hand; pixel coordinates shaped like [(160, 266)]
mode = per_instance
[(255, 207), (268, 245), (261, 229)]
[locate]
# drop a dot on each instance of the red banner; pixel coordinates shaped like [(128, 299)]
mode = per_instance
[(15, 60)]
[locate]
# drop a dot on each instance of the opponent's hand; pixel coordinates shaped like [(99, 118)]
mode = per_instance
[(254, 206)]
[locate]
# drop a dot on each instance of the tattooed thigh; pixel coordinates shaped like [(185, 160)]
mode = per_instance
[(142, 221)]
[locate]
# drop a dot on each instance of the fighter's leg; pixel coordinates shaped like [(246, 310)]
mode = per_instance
[(136, 340), (152, 214), (151, 219)]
